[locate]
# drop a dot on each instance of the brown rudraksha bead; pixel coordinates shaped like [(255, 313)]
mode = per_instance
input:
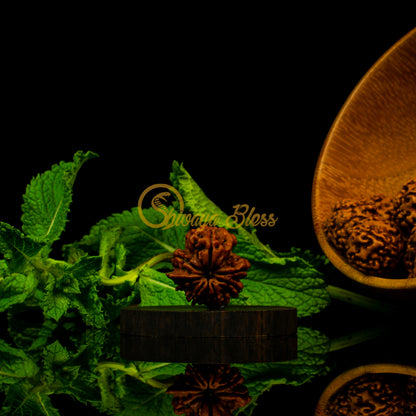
[(348, 213), (405, 206), (375, 247), (411, 395), (207, 270), (209, 390), (410, 255)]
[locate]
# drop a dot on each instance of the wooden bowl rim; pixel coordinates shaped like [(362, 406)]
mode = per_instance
[(336, 258), (349, 375)]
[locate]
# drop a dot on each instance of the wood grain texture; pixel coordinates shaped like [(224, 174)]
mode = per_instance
[(199, 335), (200, 322), (209, 350), (370, 148)]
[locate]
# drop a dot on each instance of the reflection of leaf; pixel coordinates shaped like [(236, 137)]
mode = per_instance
[(78, 367), (149, 370), (313, 347), (23, 400), (135, 389), (142, 399), (55, 355), (30, 376), (124, 389), (15, 364)]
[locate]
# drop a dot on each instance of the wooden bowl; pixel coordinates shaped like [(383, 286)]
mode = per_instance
[(370, 148), (350, 375)]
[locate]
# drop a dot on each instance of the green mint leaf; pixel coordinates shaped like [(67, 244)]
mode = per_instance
[(196, 202), (90, 306), (16, 289), (54, 303), (17, 249), (84, 271), (120, 297), (194, 198), (48, 198), (68, 277), (109, 239), (73, 286), (289, 284), (284, 279), (157, 289), (120, 254), (140, 242)]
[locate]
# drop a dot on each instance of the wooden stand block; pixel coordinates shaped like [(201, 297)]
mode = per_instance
[(199, 335), (191, 321)]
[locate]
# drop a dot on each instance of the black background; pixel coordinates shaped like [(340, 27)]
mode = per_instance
[(245, 107), (245, 103)]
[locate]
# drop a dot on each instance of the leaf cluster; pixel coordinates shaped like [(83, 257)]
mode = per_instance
[(29, 276), (50, 358), (36, 366), (121, 260)]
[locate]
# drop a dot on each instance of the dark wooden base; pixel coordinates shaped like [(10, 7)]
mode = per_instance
[(189, 321), (199, 335)]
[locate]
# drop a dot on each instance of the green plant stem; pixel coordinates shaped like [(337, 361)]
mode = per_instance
[(158, 259), (362, 301), (131, 371), (132, 275), (356, 338)]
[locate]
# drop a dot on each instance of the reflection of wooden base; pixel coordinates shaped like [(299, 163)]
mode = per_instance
[(197, 334), (209, 350)]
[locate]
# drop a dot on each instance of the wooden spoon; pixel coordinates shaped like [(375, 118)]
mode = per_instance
[(370, 148)]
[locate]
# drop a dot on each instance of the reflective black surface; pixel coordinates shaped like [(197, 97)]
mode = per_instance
[(50, 368)]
